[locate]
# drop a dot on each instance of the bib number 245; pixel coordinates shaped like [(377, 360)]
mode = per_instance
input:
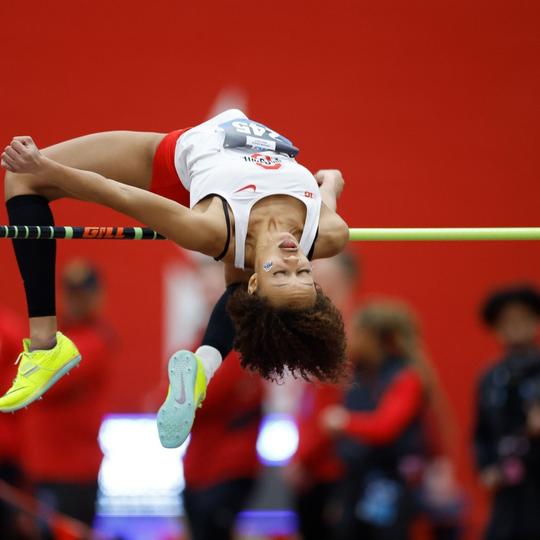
[(243, 132)]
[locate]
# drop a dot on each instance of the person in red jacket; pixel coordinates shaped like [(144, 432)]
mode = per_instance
[(316, 469), (380, 427), (62, 454), (221, 462)]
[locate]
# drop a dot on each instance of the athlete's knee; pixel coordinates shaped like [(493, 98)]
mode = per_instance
[(21, 184), (10, 185)]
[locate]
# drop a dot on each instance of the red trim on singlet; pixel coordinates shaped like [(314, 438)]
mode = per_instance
[(165, 179)]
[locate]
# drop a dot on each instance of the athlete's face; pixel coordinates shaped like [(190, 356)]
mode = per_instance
[(283, 273)]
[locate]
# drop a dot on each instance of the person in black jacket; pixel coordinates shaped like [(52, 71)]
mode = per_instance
[(507, 434)]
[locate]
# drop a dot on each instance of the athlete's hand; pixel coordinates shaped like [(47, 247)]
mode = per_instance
[(22, 156), (331, 179)]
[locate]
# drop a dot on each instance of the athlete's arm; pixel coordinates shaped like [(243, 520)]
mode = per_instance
[(333, 231), (191, 230), (333, 234)]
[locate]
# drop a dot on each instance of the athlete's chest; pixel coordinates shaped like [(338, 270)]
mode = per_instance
[(216, 209), (220, 217)]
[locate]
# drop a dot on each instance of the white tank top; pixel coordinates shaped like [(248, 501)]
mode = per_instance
[(243, 176)]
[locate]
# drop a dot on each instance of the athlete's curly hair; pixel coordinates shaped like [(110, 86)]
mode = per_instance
[(309, 342)]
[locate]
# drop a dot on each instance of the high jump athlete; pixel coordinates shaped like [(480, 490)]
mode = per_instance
[(229, 188)]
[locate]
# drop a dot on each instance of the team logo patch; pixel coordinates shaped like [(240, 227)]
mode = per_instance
[(272, 163)]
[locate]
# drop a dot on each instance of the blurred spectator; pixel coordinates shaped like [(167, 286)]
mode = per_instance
[(11, 333), (507, 436), (442, 500), (316, 470), (61, 450), (221, 463), (381, 434)]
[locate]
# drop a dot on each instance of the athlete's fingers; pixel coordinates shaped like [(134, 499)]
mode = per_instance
[(7, 163), (319, 176), (10, 161), (331, 177), (5, 166), (12, 153), (23, 158), (25, 139), (18, 146), (25, 146)]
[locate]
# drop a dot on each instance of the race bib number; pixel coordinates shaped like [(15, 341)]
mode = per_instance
[(245, 133)]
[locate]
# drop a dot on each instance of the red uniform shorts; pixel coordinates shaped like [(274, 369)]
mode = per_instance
[(165, 179)]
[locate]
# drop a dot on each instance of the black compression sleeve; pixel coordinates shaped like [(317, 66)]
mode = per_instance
[(36, 258), (220, 330)]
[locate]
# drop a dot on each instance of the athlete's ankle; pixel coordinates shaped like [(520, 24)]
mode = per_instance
[(210, 358), (43, 332), (42, 344)]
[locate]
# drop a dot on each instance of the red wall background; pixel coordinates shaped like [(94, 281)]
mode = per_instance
[(429, 108)]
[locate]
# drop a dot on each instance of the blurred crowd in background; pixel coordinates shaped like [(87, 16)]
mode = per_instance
[(374, 456), (431, 110)]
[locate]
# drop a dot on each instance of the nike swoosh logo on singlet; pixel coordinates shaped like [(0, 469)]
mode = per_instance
[(249, 186)]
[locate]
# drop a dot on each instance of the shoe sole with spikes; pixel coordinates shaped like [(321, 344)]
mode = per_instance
[(177, 414)]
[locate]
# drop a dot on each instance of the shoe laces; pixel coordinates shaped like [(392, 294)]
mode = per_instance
[(21, 355), (24, 354)]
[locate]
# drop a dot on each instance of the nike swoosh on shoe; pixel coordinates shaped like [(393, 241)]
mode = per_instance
[(27, 366), (181, 399), (30, 371), (9, 392)]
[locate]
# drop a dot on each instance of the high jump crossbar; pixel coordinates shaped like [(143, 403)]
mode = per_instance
[(36, 232)]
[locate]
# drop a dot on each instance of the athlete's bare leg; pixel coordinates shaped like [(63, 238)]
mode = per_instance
[(124, 156)]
